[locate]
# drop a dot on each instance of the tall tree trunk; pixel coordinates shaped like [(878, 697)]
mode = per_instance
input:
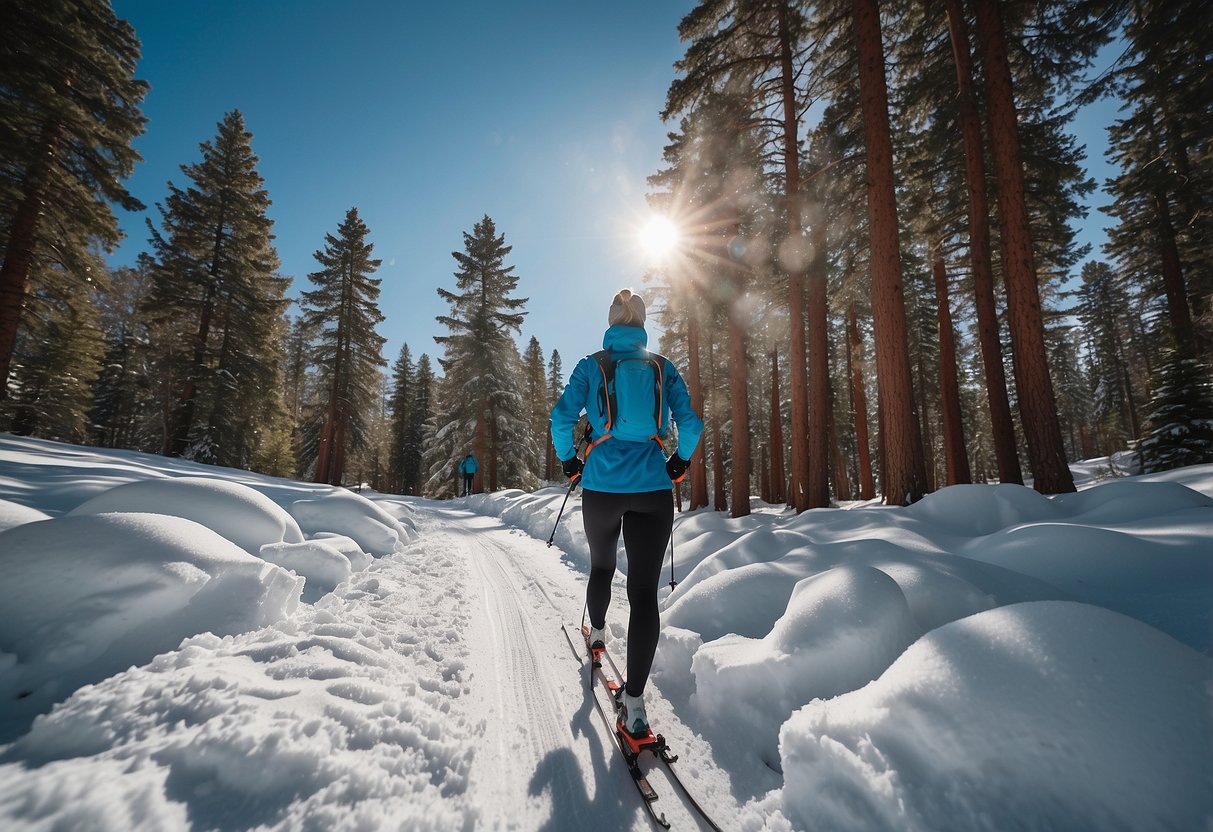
[(776, 439), (797, 370), (1002, 425), (22, 241), (956, 454), (867, 485), (739, 399), (1037, 404), (819, 369), (699, 470), (903, 478)]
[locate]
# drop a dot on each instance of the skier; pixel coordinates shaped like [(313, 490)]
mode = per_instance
[(628, 395), (468, 468)]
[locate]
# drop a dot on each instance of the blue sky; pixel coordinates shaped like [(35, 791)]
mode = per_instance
[(426, 117)]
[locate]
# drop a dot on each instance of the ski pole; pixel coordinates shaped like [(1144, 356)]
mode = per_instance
[(673, 583), (572, 485)]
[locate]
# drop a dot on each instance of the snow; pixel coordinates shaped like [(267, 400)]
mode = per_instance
[(244, 516), (174, 656)]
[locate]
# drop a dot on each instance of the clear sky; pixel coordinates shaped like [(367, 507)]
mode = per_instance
[(427, 116)]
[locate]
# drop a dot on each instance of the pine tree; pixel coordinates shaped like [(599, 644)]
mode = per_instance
[(421, 410), (121, 396), (1037, 404), (343, 312), (403, 393), (218, 300), (538, 411), (1179, 428), (62, 348), (69, 111), (555, 388), (1104, 308), (480, 405)]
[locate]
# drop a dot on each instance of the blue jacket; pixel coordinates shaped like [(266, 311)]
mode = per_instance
[(469, 465), (616, 465)]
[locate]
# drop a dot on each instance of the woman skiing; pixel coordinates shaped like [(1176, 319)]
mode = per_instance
[(628, 395)]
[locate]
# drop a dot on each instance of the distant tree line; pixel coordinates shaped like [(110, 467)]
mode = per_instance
[(876, 296)]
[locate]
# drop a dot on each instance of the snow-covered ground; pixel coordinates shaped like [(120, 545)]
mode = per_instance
[(184, 646)]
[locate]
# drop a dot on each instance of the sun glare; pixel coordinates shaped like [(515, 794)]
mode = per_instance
[(659, 237)]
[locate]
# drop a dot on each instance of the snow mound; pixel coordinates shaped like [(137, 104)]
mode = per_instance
[(359, 560), (352, 515), (244, 516), (976, 510), (321, 565), (14, 514), (1102, 723), (84, 597), (842, 628)]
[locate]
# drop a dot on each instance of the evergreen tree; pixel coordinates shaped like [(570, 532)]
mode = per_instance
[(421, 410), (342, 312), (68, 113), (554, 390), (61, 350), (218, 299), (1104, 308), (480, 405), (1037, 403), (538, 411), (400, 403), (121, 397), (1179, 428)]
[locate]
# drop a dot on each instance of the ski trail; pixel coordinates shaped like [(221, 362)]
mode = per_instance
[(545, 761)]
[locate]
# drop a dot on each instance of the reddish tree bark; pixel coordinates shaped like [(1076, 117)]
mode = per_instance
[(720, 499), (903, 478), (956, 455), (1037, 404), (1002, 425)]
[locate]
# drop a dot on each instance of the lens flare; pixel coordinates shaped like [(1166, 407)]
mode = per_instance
[(659, 237)]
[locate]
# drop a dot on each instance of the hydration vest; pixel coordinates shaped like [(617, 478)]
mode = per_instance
[(631, 397)]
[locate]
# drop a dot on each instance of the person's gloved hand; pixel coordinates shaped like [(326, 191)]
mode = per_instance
[(572, 467), (676, 467)]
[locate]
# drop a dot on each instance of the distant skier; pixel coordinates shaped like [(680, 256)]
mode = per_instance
[(628, 395), (468, 468)]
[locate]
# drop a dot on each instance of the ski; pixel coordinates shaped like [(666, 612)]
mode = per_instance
[(630, 745), (647, 794)]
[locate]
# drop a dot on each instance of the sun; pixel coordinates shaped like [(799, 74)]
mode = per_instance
[(659, 237)]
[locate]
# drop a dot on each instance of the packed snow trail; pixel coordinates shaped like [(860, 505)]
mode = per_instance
[(542, 739), (433, 691)]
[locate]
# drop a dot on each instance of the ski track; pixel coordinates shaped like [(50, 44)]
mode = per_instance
[(546, 738)]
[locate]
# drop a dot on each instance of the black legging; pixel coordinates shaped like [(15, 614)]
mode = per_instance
[(646, 519)]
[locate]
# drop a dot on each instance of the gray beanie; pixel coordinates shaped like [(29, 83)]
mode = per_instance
[(627, 309)]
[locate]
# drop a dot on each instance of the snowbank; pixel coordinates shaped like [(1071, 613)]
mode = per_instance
[(14, 514), (86, 596), (1047, 715), (244, 516), (356, 517)]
